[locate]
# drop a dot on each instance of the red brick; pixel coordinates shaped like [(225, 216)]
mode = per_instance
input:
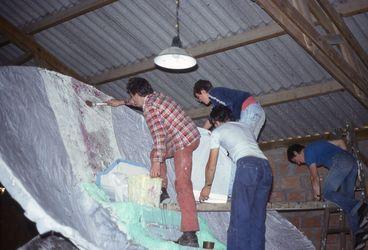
[(312, 222), (290, 182), (301, 170), (295, 221), (296, 196), (284, 169), (277, 196)]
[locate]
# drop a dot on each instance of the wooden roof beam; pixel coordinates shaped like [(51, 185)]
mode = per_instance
[(344, 30), (242, 39), (220, 45), (296, 26), (62, 16), (360, 133), (351, 8), (27, 43), (282, 96)]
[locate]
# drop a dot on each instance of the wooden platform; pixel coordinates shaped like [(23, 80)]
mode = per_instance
[(279, 206)]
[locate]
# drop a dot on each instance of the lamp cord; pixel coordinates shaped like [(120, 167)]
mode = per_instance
[(177, 17)]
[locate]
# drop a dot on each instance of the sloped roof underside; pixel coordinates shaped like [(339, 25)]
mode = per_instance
[(127, 32)]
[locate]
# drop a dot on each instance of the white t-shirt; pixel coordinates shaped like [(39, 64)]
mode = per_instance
[(237, 139)]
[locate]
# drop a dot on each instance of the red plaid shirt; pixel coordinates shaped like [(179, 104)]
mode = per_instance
[(171, 128)]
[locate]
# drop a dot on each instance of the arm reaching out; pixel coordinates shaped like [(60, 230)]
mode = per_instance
[(210, 174), (315, 181), (116, 102)]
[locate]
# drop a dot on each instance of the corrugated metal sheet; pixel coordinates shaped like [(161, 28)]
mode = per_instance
[(313, 115), (127, 32), (9, 53), (23, 12)]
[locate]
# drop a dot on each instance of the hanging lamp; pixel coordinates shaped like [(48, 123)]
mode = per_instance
[(175, 57)]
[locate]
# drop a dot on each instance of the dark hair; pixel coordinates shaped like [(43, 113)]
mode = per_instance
[(201, 85), (294, 148), (140, 86), (220, 113)]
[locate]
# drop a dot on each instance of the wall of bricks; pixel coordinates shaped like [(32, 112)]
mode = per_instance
[(292, 183)]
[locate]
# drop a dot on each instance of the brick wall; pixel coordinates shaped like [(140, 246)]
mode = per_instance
[(292, 183)]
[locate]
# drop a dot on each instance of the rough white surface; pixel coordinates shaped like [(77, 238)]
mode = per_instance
[(51, 141)]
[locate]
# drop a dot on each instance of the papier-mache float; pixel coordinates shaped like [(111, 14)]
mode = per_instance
[(53, 149)]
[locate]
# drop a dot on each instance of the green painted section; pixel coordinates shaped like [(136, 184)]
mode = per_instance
[(136, 220)]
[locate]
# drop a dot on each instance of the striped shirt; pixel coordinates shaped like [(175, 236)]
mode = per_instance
[(171, 128)]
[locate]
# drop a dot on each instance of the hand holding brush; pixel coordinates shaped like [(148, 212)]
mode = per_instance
[(95, 104)]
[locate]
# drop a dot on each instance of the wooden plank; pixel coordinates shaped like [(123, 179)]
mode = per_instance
[(292, 14), (344, 30), (62, 16), (220, 45), (321, 17), (361, 135), (302, 6), (295, 26), (206, 49), (27, 43), (352, 8), (278, 206), (282, 96)]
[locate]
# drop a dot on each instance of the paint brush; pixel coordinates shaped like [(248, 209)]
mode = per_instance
[(95, 104)]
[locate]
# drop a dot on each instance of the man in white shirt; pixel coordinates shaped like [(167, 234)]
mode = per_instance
[(252, 184)]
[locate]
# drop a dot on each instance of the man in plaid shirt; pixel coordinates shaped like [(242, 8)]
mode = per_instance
[(175, 135)]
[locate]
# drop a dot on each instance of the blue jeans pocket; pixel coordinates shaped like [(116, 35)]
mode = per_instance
[(248, 175)]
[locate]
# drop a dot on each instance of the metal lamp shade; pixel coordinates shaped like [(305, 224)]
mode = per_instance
[(175, 58)]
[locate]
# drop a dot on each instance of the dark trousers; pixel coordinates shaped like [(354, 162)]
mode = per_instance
[(339, 187), (252, 185)]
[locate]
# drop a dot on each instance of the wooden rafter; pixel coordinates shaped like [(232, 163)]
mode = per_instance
[(282, 96), (351, 8), (203, 50), (344, 30), (360, 133), (27, 43), (245, 38), (62, 16), (296, 26)]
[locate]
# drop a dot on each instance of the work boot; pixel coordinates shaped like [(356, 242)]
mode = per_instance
[(164, 195), (188, 239), (362, 213)]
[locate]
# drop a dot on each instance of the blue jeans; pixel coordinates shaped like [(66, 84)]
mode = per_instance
[(340, 184), (254, 116), (252, 185)]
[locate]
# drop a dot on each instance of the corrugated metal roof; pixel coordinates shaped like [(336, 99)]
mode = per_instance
[(313, 115), (9, 53), (127, 32), (23, 12)]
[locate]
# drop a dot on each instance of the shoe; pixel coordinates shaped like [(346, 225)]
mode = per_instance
[(362, 213), (360, 238), (164, 194), (188, 239)]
